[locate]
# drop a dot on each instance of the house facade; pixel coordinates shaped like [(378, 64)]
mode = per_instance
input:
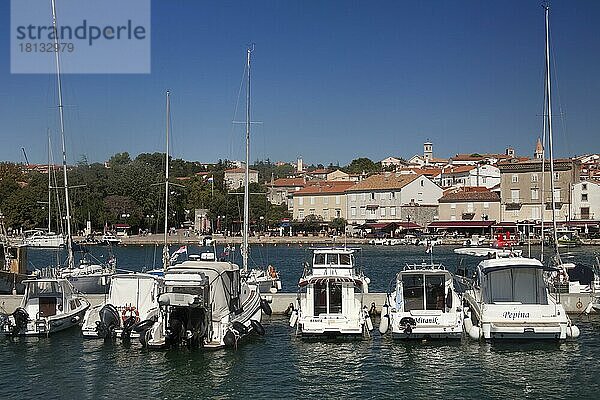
[(326, 199), (523, 198), (470, 204), (486, 176), (381, 198), (585, 201), (235, 177), (281, 191)]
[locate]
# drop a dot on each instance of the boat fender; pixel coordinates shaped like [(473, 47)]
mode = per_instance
[(289, 310), (142, 325), (264, 304), (369, 324), (293, 318), (145, 337), (589, 307), (573, 332), (229, 339), (257, 326), (241, 328), (384, 323)]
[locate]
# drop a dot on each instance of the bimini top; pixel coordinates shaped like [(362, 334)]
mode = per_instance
[(487, 266), (424, 267), (194, 265)]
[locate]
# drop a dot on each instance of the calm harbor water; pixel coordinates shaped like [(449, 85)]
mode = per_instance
[(281, 365)]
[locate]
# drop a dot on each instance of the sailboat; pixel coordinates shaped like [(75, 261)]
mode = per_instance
[(39, 237), (582, 281), (205, 303), (267, 280)]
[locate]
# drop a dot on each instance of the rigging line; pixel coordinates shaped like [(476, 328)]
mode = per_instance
[(563, 117), (237, 103)]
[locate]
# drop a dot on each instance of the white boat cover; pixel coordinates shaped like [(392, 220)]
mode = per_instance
[(133, 290)]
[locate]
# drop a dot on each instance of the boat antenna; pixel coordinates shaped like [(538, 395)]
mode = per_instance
[(549, 122), (249, 51), (165, 246), (70, 260)]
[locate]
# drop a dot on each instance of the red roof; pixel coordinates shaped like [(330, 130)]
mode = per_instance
[(283, 182), (325, 187)]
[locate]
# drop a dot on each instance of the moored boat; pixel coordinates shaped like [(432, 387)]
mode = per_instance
[(423, 305), (331, 297)]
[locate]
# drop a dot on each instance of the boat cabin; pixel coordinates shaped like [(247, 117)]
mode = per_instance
[(48, 297), (424, 288), (513, 283)]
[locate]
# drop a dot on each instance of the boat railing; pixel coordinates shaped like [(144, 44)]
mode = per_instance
[(426, 266)]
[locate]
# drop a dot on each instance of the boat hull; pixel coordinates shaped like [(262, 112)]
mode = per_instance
[(90, 284)]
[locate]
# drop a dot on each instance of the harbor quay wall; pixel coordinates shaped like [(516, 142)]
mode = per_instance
[(574, 303)]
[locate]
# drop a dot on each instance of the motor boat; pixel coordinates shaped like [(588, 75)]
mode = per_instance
[(509, 299), (132, 305), (48, 306), (205, 303), (331, 297), (423, 305), (108, 239), (568, 238), (40, 238), (268, 281)]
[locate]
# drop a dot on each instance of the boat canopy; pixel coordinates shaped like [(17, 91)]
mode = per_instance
[(133, 290), (334, 279), (518, 282)]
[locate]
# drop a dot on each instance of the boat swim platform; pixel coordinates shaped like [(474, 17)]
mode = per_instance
[(574, 303)]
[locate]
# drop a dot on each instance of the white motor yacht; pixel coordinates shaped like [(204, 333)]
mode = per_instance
[(132, 306), (509, 299), (268, 281), (110, 240), (48, 306), (205, 303), (330, 301), (424, 305), (40, 238)]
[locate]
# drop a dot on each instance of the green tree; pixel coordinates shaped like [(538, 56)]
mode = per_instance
[(363, 164)]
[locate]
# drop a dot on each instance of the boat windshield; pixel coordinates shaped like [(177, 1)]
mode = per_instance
[(515, 285), (332, 259), (423, 292), (44, 289)]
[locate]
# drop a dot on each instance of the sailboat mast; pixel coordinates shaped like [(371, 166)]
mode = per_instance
[(70, 260), (166, 247), (49, 185), (549, 121), (247, 172)]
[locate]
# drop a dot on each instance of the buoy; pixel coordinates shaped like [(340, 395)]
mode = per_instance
[(473, 331), (257, 326), (293, 318), (589, 307), (384, 323), (265, 307)]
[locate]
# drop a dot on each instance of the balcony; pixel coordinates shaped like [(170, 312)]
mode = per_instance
[(513, 204), (468, 216), (558, 205)]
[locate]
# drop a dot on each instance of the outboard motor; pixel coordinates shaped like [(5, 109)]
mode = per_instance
[(109, 321), (21, 318), (175, 331), (128, 325), (409, 324)]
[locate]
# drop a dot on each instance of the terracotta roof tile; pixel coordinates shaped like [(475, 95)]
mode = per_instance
[(470, 194), (384, 181), (324, 187), (284, 182)]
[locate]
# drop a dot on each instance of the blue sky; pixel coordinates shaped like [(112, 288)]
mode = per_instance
[(332, 81)]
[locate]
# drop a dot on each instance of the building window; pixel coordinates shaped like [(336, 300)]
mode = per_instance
[(514, 195), (392, 195), (453, 218), (557, 194), (535, 194), (353, 211), (453, 206), (300, 201), (535, 213), (312, 200), (470, 207), (584, 197), (337, 199), (363, 210), (393, 211), (556, 176), (584, 186), (422, 182), (338, 213), (486, 204), (364, 197), (534, 177), (372, 196), (300, 214), (326, 214), (382, 211), (326, 200), (515, 178), (311, 211), (353, 197), (483, 180)]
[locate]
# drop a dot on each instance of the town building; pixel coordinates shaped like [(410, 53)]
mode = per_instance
[(381, 198), (281, 191), (486, 176), (390, 163), (235, 177), (522, 195), (427, 159), (326, 199), (590, 166), (585, 201)]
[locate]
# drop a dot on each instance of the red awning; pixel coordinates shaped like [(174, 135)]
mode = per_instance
[(409, 225), (460, 224)]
